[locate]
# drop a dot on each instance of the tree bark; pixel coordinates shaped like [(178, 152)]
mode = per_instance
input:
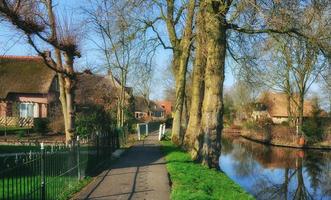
[(212, 108), (193, 127), (185, 48), (66, 83)]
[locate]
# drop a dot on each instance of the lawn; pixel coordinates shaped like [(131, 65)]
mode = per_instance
[(18, 148), (194, 181), (14, 130), (29, 187)]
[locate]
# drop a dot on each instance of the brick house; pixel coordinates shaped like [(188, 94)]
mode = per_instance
[(147, 110), (276, 107), (28, 88), (166, 106)]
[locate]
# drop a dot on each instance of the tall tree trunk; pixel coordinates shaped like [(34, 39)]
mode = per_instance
[(185, 45), (193, 127), (69, 91), (300, 112), (212, 108), (287, 84), (66, 83)]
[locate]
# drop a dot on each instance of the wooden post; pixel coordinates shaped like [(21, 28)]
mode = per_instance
[(160, 132), (138, 131), (163, 131), (146, 129)]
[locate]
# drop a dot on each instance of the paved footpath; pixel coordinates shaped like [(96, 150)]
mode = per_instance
[(139, 174)]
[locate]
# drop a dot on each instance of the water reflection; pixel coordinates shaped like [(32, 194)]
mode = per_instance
[(275, 172)]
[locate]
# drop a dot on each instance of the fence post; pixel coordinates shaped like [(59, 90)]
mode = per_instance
[(163, 131), (78, 158), (146, 129), (160, 132), (98, 146), (43, 186), (138, 131)]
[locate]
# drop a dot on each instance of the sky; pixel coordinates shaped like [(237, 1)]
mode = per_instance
[(13, 43)]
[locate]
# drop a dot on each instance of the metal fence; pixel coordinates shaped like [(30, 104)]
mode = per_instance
[(50, 172)]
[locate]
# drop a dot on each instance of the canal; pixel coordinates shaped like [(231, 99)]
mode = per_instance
[(269, 172)]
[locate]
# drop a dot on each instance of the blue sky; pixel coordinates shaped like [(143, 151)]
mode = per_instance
[(12, 43)]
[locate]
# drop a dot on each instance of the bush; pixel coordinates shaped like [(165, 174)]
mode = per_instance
[(251, 125), (91, 119), (312, 130), (285, 123), (20, 133), (40, 125), (168, 122)]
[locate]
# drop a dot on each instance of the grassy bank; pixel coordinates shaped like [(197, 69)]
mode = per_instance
[(194, 181)]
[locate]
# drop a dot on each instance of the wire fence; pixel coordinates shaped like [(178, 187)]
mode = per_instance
[(49, 172)]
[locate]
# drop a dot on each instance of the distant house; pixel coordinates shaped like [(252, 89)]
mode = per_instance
[(166, 106), (276, 107), (147, 110), (99, 90), (28, 88)]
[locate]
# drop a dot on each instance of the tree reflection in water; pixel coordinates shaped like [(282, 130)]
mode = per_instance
[(277, 173)]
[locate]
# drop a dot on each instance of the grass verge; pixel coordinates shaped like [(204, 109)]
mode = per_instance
[(194, 181)]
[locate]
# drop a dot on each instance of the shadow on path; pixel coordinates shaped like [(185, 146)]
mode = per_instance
[(139, 174)]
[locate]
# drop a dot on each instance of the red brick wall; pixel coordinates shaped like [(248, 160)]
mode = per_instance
[(3, 107), (167, 106)]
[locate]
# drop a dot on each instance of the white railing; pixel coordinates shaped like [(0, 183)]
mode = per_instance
[(161, 131), (138, 129)]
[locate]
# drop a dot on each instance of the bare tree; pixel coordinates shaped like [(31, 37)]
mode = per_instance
[(37, 21), (180, 32), (123, 44)]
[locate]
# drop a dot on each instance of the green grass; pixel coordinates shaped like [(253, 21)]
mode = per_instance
[(194, 181), (14, 129), (17, 148), (73, 189), (57, 188)]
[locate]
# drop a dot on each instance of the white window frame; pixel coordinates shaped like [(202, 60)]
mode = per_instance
[(26, 109)]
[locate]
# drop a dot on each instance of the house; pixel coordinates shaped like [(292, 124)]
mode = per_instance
[(28, 88), (276, 107), (147, 110), (100, 90), (166, 106)]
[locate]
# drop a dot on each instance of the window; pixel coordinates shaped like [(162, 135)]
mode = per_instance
[(26, 110)]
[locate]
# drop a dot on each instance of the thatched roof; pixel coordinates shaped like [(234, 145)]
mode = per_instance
[(24, 74), (276, 103), (141, 104), (92, 88)]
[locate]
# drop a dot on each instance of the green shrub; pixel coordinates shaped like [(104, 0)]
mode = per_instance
[(251, 125), (312, 130), (40, 125), (20, 133), (285, 123), (168, 122), (92, 119)]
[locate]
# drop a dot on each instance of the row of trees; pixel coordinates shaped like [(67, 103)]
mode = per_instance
[(204, 33), (213, 31)]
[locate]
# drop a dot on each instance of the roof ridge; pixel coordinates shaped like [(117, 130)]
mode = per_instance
[(20, 57)]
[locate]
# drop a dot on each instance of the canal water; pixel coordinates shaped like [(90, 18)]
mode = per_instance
[(269, 172)]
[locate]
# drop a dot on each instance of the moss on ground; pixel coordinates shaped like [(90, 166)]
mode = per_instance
[(194, 181)]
